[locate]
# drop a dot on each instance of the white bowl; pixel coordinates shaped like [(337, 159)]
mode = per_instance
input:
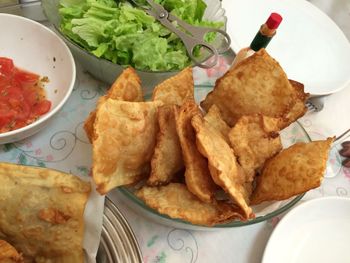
[(36, 48)]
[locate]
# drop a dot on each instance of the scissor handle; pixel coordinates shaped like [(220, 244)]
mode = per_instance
[(200, 32), (192, 36), (205, 62), (191, 43)]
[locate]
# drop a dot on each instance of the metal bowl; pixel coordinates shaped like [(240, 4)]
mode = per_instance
[(106, 70)]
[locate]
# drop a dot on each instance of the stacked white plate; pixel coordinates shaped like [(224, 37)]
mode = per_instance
[(118, 242)]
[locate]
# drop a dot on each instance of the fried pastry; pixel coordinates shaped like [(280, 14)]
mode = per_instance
[(257, 85), (167, 158), (197, 175), (42, 213), (255, 139), (176, 89), (127, 87), (176, 201), (125, 140), (223, 165), (293, 171)]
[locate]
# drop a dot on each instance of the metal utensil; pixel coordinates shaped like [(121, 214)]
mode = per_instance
[(191, 36), (315, 103)]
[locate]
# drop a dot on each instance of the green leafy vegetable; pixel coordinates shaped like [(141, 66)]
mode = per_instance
[(127, 35)]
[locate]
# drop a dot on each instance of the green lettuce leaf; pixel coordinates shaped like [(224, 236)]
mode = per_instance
[(124, 34)]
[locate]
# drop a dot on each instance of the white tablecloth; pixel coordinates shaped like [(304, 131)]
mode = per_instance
[(63, 145)]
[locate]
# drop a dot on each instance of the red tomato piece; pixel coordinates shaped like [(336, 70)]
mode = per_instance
[(6, 66), (42, 107), (21, 97), (31, 96), (25, 77)]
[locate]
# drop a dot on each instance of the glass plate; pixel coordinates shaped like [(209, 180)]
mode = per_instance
[(290, 135)]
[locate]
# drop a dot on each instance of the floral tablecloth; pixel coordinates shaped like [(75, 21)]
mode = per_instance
[(63, 145)]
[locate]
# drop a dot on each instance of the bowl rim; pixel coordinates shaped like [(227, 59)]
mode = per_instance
[(53, 111), (235, 223)]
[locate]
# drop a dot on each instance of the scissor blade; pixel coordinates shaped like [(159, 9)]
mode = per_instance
[(157, 8), (140, 3)]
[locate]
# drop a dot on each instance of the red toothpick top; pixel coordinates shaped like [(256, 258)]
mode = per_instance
[(274, 21)]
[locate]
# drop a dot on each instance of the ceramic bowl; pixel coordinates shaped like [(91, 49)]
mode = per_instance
[(36, 48)]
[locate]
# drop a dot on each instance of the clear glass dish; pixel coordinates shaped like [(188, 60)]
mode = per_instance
[(292, 134)]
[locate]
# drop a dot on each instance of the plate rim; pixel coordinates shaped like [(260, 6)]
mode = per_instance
[(127, 230)]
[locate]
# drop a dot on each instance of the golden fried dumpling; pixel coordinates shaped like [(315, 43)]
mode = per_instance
[(222, 163), (176, 89), (176, 201), (257, 85), (42, 213), (255, 139), (167, 158), (213, 117), (197, 175), (127, 87), (293, 171), (124, 144)]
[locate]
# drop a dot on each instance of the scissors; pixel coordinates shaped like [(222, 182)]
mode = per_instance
[(193, 35)]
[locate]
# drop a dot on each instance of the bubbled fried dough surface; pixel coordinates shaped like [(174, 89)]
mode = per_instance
[(127, 87), (255, 139), (293, 171), (176, 89), (124, 144), (197, 175), (167, 157), (176, 201), (222, 163), (258, 84), (8, 254), (36, 216)]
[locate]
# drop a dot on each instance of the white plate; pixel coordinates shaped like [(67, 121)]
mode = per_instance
[(309, 45), (315, 231)]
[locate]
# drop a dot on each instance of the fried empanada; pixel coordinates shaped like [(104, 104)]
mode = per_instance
[(257, 85), (293, 171), (213, 117), (176, 201), (223, 166), (124, 144), (176, 89), (89, 122), (8, 254), (299, 109), (255, 139), (42, 213), (197, 175), (127, 87), (167, 158)]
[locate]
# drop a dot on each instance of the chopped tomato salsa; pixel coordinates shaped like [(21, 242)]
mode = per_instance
[(22, 97)]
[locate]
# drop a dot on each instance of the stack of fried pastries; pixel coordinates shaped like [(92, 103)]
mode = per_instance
[(209, 164)]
